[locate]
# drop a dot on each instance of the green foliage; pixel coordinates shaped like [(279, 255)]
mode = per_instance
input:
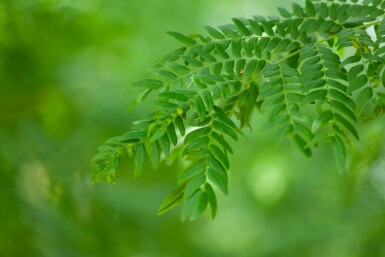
[(316, 72)]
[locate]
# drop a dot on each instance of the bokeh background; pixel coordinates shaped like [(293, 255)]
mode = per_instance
[(65, 67)]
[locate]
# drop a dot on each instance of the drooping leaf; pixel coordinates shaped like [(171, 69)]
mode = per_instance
[(139, 159), (339, 150)]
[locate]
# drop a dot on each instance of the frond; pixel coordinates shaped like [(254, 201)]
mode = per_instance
[(316, 71)]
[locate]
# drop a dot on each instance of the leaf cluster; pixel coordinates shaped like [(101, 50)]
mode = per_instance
[(316, 72)]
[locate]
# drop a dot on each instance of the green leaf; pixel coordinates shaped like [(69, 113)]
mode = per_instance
[(343, 109), (165, 144), (218, 180), (222, 142), (191, 60), (172, 134), (297, 10), (172, 200), (339, 151), (180, 125), (205, 55), (273, 42), (153, 152), (228, 31), (247, 48), (283, 12), (221, 51), (182, 38), (324, 118), (350, 60), (241, 27), (225, 119), (214, 32), (200, 107), (159, 132), (164, 73), (383, 79), (363, 97), (194, 206), (323, 10), (314, 84), (197, 133), (174, 95), (180, 69), (347, 125), (196, 145), (139, 159), (220, 156), (256, 28), (236, 47), (197, 81), (244, 98), (192, 171), (208, 100), (338, 95), (310, 8), (194, 184), (239, 67), (201, 206), (223, 128), (268, 28), (357, 83), (302, 145), (148, 83), (212, 199), (318, 95)]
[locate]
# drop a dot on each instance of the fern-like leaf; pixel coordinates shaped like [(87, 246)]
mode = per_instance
[(316, 71)]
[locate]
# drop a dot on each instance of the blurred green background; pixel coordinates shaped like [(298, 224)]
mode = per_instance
[(65, 67)]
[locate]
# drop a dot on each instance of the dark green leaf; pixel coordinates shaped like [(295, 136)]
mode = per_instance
[(310, 8)]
